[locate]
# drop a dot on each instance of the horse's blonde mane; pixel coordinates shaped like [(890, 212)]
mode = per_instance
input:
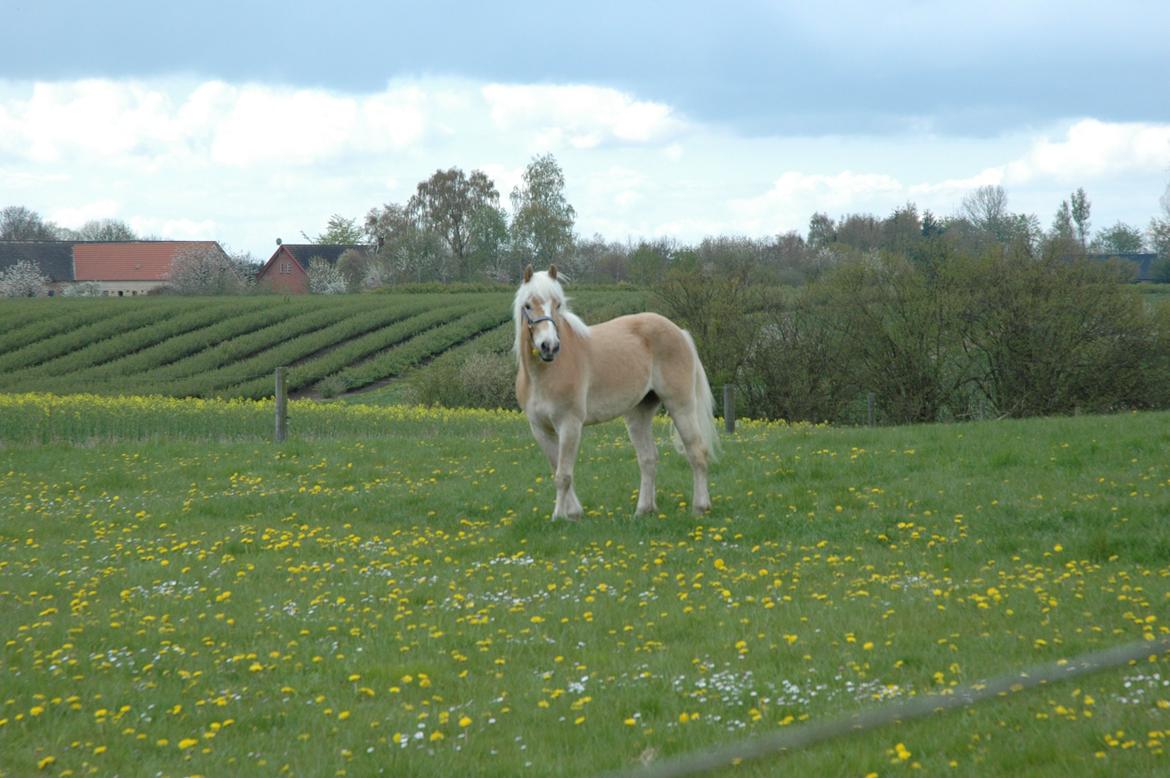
[(544, 287)]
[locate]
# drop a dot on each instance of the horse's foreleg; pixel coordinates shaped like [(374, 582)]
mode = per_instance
[(568, 441), (547, 438), (688, 428), (640, 423)]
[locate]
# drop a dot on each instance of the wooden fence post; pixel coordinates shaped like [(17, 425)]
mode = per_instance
[(869, 408), (281, 406), (729, 408)]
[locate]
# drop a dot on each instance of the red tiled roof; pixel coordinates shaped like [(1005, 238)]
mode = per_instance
[(133, 261)]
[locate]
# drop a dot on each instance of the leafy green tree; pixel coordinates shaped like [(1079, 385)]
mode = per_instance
[(1121, 238), (542, 219), (931, 226), (447, 203), (339, 231), (647, 264), (1062, 223), (822, 232), (1080, 208), (902, 230), (487, 244)]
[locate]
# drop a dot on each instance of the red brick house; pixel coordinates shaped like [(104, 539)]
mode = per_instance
[(287, 271)]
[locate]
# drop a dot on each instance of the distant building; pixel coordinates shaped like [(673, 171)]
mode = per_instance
[(1143, 263), (53, 257), (287, 271), (118, 268)]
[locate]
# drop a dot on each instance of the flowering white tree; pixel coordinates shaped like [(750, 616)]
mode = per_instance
[(325, 278), (83, 289), (22, 279), (206, 271)]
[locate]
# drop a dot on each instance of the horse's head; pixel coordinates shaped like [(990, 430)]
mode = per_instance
[(538, 307)]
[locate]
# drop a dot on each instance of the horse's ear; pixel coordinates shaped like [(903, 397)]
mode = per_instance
[(528, 274), (552, 272)]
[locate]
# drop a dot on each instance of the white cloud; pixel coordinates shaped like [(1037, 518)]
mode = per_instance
[(578, 116), (176, 229), (74, 217), (212, 122), (244, 163), (795, 196), (1093, 148)]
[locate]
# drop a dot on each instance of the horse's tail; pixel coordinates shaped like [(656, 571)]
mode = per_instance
[(704, 405)]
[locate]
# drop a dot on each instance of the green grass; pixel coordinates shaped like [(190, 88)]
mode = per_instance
[(385, 593)]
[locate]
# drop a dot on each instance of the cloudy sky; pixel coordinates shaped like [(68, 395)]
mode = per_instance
[(245, 121)]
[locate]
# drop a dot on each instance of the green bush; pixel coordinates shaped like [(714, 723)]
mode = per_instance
[(964, 337)]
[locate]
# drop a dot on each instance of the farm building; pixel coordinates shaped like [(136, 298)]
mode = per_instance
[(287, 270), (1142, 263), (119, 269)]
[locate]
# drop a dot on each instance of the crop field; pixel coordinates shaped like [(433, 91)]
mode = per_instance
[(385, 593), (230, 347)]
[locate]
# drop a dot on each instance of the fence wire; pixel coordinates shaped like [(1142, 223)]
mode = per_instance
[(803, 736)]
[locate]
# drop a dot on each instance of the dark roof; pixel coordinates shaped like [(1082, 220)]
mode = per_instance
[(1143, 260), (330, 252), (53, 257)]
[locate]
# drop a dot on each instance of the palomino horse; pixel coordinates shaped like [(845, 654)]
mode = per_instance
[(570, 374)]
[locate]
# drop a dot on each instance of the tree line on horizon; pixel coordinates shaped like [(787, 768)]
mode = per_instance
[(455, 229)]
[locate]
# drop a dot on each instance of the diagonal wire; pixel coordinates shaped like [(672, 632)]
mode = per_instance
[(811, 734)]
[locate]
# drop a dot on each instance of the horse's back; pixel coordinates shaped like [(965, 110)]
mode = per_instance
[(644, 352)]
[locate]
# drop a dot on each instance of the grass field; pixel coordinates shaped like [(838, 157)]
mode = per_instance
[(384, 594), (230, 346)]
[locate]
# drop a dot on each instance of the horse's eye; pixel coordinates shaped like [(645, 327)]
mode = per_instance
[(528, 306)]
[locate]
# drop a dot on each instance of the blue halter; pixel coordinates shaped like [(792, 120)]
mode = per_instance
[(533, 322)]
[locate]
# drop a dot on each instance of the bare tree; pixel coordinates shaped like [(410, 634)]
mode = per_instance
[(19, 223), (105, 229), (986, 210)]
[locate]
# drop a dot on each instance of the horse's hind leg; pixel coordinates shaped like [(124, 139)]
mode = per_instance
[(640, 423), (687, 423)]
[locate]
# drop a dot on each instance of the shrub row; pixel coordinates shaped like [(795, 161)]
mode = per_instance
[(78, 337), (381, 325), (135, 340), (312, 368), (395, 361), (960, 338), (30, 321), (211, 337)]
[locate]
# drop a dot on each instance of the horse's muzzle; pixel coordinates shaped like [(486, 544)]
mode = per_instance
[(548, 354)]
